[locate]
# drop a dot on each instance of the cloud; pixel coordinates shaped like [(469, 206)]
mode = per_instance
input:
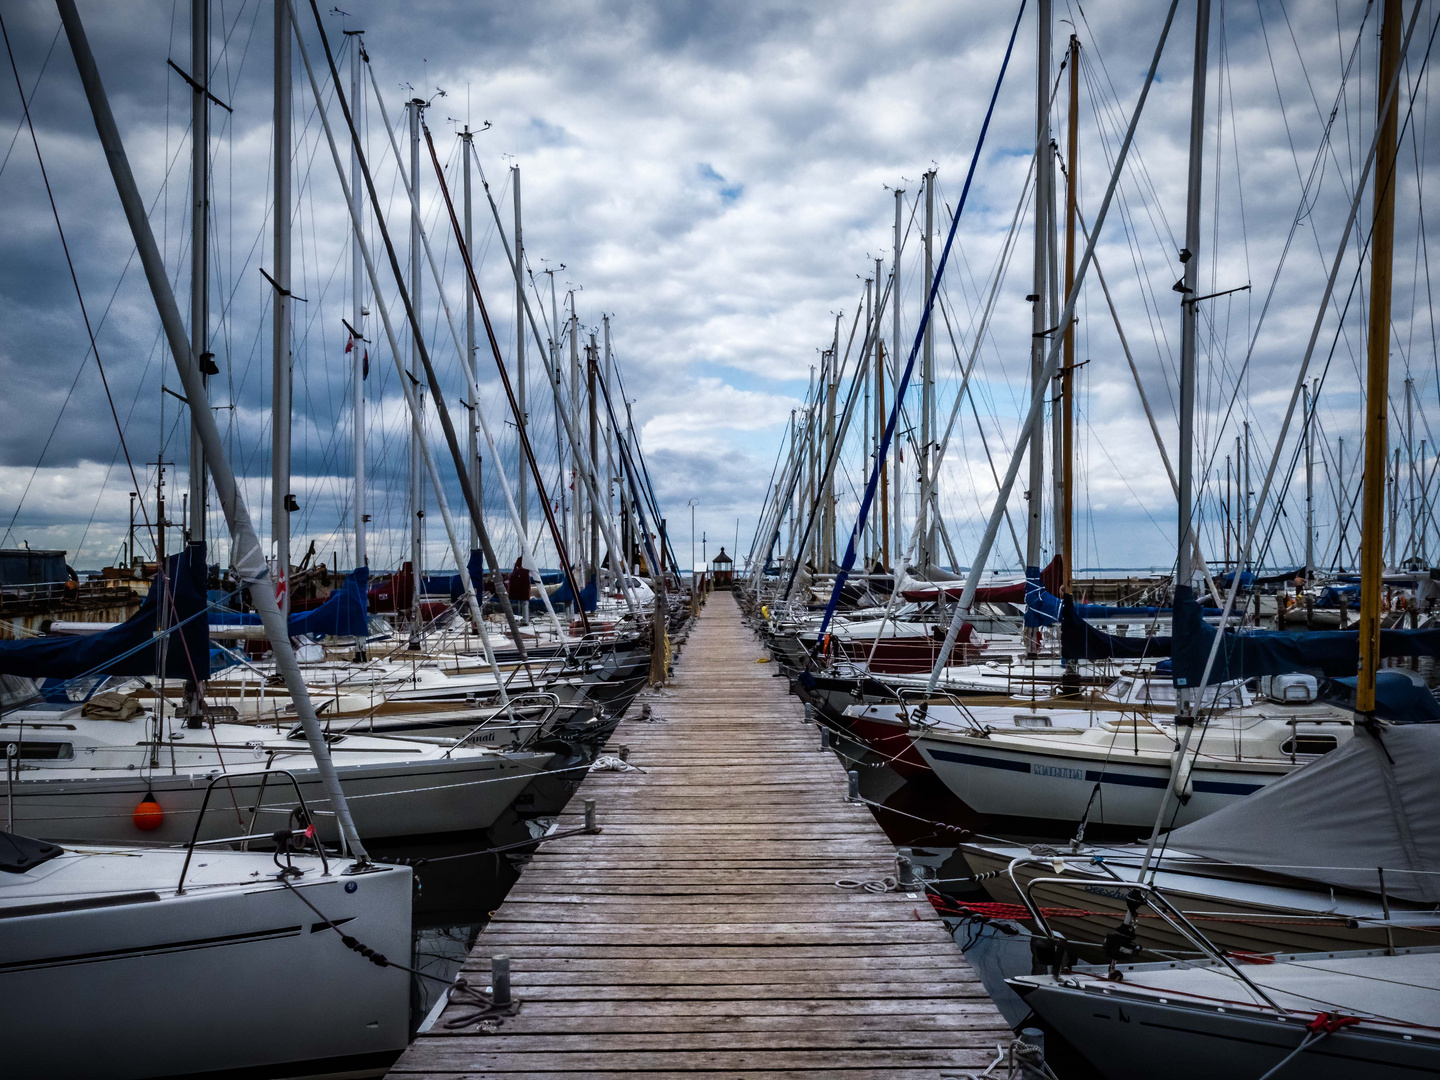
[(718, 179)]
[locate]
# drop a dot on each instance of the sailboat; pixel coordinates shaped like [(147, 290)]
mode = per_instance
[(1328, 914)]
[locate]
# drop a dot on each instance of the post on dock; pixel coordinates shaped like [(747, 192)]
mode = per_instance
[(500, 980)]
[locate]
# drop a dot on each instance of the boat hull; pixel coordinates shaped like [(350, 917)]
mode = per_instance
[(208, 982), (386, 799), (1022, 783)]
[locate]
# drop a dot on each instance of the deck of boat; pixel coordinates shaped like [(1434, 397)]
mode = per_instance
[(702, 930)]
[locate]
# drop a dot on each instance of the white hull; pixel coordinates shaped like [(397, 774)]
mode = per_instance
[(236, 973), (1025, 783), (386, 799)]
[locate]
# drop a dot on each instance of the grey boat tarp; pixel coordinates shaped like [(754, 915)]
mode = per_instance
[(1373, 803)]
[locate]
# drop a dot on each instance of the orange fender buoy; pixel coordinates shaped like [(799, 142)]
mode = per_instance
[(148, 816)]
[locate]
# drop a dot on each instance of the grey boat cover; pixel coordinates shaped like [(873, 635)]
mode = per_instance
[(1373, 803)]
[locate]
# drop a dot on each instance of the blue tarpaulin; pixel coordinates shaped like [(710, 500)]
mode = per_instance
[(345, 612), (475, 565), (1081, 641), (1042, 607), (1332, 653), (134, 646), (588, 595), (1398, 698)]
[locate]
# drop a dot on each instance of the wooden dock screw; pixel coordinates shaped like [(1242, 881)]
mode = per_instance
[(500, 980), (590, 826), (824, 738), (854, 793)]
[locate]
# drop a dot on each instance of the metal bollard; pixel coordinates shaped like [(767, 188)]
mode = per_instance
[(624, 752), (824, 738), (590, 826), (854, 794), (1031, 1051), (809, 713), (500, 980), (905, 872)]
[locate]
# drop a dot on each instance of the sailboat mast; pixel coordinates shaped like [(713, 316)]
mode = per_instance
[(1340, 501), (522, 420), (577, 544), (897, 474), (1038, 298), (281, 500), (1382, 255), (357, 315), (1410, 546), (1067, 370), (832, 392), (199, 243), (867, 372), (611, 451), (878, 431), (417, 427), (1309, 485), (592, 374), (926, 527), (1246, 491), (472, 418), (1184, 567)]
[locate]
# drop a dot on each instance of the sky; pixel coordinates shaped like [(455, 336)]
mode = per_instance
[(717, 179)]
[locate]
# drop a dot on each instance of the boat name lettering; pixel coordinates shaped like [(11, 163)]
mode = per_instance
[(1100, 890), (1056, 770)]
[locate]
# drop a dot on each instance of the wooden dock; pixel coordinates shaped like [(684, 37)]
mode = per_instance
[(702, 930)]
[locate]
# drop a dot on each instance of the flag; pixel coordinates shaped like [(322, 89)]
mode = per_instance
[(350, 344), (280, 588), (365, 365)]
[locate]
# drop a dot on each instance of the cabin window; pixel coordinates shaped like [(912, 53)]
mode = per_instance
[(46, 751), (1309, 744)]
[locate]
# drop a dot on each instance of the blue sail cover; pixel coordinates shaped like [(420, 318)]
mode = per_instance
[(1331, 653), (1042, 607), (1397, 698), (1081, 641), (475, 565), (589, 595), (345, 612), (134, 646)]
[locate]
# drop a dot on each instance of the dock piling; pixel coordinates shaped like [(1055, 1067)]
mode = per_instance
[(500, 980)]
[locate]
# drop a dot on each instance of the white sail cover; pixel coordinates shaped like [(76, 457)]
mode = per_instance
[(1373, 803)]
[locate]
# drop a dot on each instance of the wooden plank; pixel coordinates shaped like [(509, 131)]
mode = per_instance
[(434, 1054), (702, 930)]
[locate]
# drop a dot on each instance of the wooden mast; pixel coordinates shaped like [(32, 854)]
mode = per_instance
[(1067, 368), (1382, 253)]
